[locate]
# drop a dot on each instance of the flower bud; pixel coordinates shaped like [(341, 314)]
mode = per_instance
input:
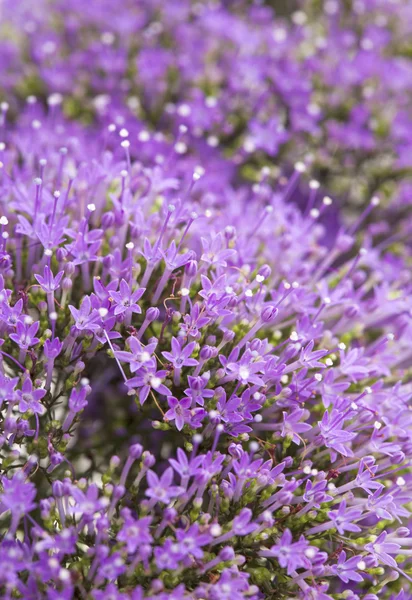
[(69, 268), (359, 277), (107, 261), (67, 284), (397, 458), (265, 271), (119, 491), (227, 553), (268, 314), (344, 242), (403, 532), (256, 345), (235, 450), (135, 451), (170, 515), (61, 254), (148, 459), (352, 311), (114, 462), (57, 489), (108, 220), (206, 353), (157, 586), (191, 268), (152, 314), (135, 231), (228, 336), (230, 232)]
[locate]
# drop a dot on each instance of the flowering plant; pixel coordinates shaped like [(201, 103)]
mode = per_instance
[(204, 387)]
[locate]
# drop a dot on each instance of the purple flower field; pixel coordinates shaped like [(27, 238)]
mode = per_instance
[(206, 300)]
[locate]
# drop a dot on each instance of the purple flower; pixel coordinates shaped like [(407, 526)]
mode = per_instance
[(291, 555), (149, 379), (291, 425), (7, 389), (332, 433), (381, 550), (87, 502), (111, 592), (197, 390), (85, 318), (242, 524), (25, 334), (245, 369), (183, 466), (29, 398), (343, 518), (48, 282), (17, 496), (214, 253), (134, 532), (190, 542), (160, 488), (347, 570), (125, 301), (139, 356), (77, 400), (52, 348), (178, 412), (180, 355), (111, 567)]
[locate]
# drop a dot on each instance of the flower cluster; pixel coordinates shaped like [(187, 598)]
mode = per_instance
[(205, 388), (324, 81)]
